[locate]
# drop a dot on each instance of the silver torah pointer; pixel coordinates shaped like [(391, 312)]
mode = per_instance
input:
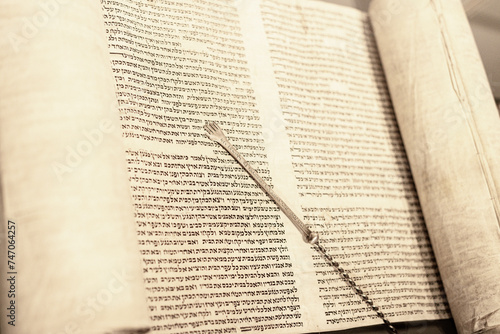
[(215, 133)]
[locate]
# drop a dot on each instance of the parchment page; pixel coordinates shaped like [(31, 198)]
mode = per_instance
[(68, 247), (348, 170), (451, 131)]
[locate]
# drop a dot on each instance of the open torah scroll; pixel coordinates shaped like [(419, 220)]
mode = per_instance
[(379, 129)]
